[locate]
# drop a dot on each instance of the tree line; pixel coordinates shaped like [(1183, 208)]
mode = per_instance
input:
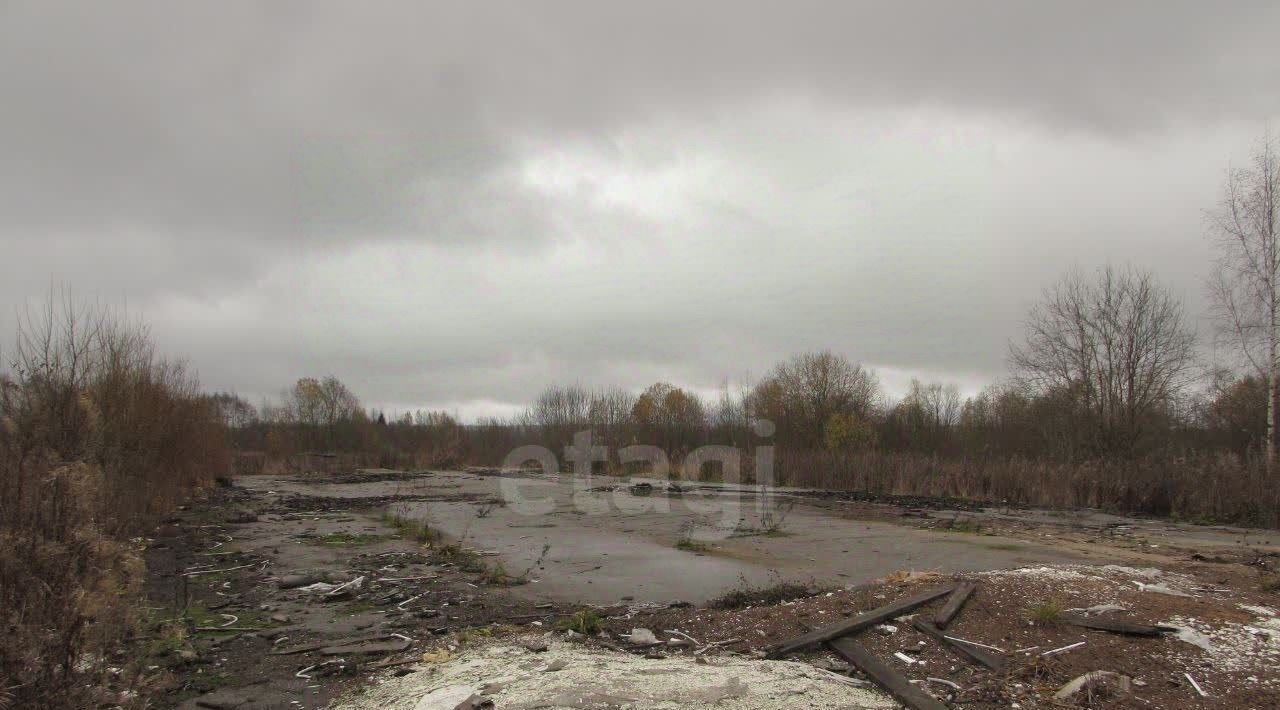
[(1107, 375)]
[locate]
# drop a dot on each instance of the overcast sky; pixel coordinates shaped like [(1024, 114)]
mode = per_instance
[(452, 205)]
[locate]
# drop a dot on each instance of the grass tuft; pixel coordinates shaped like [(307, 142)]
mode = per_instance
[(585, 621), (347, 539), (410, 528), (746, 595), (1045, 612)]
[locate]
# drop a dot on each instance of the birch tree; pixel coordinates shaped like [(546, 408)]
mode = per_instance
[(1245, 285)]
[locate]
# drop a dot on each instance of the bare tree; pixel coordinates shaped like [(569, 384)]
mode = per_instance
[(930, 411), (234, 410), (1246, 281), (1116, 346), (803, 393)]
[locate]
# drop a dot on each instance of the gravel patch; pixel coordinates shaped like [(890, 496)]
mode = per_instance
[(570, 675)]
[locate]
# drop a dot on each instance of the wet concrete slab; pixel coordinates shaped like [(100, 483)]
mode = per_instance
[(598, 541)]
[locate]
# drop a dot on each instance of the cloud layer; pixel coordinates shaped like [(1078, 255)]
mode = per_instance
[(451, 206)]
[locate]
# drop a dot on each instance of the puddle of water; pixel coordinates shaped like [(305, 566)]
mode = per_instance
[(603, 546)]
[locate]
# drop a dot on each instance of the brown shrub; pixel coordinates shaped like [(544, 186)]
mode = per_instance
[(1207, 486), (98, 437)]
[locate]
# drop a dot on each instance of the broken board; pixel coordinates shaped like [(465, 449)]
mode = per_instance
[(892, 681), (954, 604), (974, 653), (1115, 626), (860, 622)]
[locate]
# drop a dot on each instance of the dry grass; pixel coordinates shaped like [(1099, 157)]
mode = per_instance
[(98, 438), (1204, 487), (746, 595), (417, 530), (1045, 612)]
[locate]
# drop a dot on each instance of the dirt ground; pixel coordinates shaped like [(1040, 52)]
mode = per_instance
[(233, 626), (226, 635)]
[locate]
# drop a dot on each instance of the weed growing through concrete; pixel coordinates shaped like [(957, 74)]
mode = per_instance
[(586, 621), (772, 522), (347, 539), (464, 558), (687, 542), (775, 518), (536, 564), (410, 528)]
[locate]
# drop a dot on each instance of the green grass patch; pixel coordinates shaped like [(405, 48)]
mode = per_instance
[(168, 637), (586, 621), (688, 544), (411, 529), (1045, 612), (348, 539), (197, 616)]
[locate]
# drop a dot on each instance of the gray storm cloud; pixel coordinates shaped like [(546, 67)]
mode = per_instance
[(453, 204)]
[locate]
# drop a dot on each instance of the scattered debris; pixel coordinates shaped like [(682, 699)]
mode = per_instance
[(294, 581), (1160, 589), (972, 651), (642, 637), (861, 621), (389, 587), (1091, 679), (975, 643), (1195, 638), (1099, 609), (401, 643), (1115, 626), (893, 682), (1056, 651), (219, 571)]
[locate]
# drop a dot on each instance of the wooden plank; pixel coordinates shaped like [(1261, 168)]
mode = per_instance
[(309, 647), (860, 622), (954, 604), (892, 681), (974, 653), (1115, 626), (391, 645)]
